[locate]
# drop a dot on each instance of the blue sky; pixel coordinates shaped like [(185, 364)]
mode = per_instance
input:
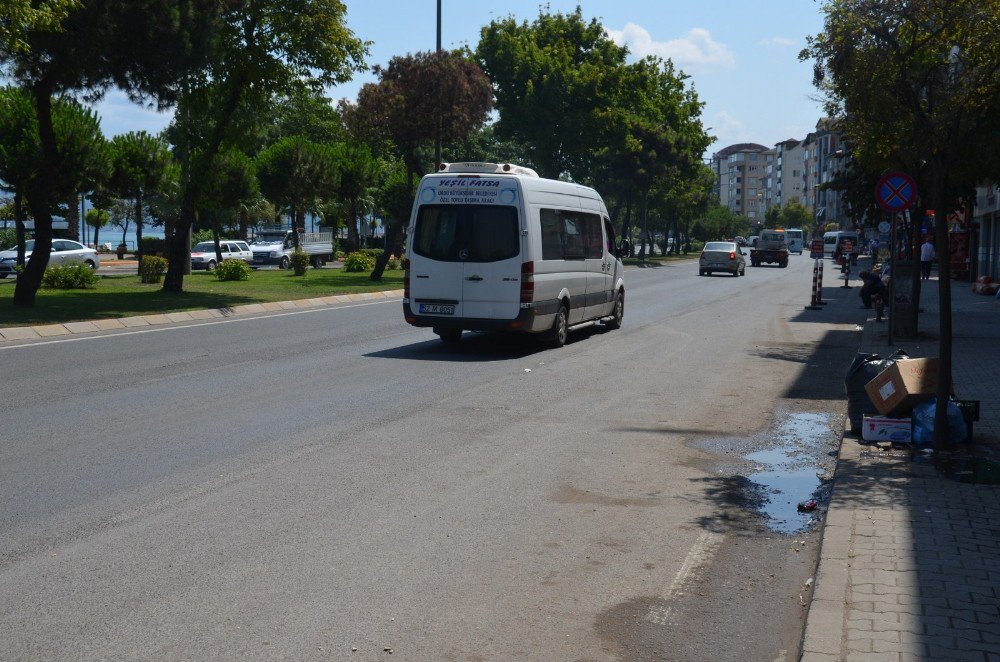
[(741, 56)]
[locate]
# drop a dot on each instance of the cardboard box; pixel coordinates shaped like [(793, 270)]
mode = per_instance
[(906, 383), (884, 428)]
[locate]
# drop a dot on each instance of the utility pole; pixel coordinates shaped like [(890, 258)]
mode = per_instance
[(437, 140)]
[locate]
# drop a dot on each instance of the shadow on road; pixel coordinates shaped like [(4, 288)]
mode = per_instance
[(476, 347)]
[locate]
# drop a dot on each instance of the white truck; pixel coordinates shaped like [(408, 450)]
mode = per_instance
[(277, 246)]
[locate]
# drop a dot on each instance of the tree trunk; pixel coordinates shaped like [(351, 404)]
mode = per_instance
[(39, 200), (214, 222), (73, 219), (353, 242), (243, 221), (393, 231), (944, 305), (295, 227), (19, 228), (138, 228)]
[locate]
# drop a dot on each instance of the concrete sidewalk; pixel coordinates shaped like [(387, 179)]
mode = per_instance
[(910, 561)]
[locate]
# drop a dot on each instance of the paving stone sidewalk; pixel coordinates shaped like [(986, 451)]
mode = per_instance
[(910, 561)]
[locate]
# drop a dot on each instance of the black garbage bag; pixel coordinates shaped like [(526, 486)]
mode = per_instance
[(865, 368)]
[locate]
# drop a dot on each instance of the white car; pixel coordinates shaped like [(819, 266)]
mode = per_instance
[(64, 251), (203, 254)]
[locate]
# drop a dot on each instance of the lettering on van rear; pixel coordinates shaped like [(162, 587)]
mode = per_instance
[(467, 190)]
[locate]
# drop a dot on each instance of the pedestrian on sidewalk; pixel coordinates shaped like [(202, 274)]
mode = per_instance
[(871, 285), (926, 258)]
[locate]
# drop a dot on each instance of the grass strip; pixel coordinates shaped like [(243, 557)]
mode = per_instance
[(124, 296)]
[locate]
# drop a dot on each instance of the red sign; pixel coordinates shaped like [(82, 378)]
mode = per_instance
[(847, 246), (816, 249), (897, 191)]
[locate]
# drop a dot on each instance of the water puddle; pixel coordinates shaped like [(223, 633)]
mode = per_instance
[(790, 472)]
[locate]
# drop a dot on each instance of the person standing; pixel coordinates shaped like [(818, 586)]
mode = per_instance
[(926, 258)]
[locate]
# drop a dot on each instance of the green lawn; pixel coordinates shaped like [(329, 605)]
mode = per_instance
[(124, 296)]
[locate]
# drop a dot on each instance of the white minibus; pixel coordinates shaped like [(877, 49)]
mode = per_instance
[(795, 239), (496, 247)]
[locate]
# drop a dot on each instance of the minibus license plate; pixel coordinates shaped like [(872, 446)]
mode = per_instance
[(437, 309)]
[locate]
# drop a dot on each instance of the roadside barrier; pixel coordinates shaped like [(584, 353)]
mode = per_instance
[(814, 301)]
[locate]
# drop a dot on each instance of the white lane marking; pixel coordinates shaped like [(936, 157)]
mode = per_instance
[(113, 334), (697, 559)]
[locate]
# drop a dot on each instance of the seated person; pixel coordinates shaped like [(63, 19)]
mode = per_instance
[(872, 285)]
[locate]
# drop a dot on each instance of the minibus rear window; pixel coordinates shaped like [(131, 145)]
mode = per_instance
[(467, 233)]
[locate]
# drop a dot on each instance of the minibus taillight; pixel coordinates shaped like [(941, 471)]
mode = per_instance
[(406, 278), (527, 282)]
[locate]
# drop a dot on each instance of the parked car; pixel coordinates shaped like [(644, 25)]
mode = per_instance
[(64, 251), (722, 256), (203, 254)]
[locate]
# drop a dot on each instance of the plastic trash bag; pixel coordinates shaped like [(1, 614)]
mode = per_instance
[(923, 424), (865, 368)]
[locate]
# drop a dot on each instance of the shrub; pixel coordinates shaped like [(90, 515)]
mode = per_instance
[(359, 261), (300, 262), (153, 245), (392, 263), (8, 238), (151, 269), (340, 255), (373, 253), (233, 270), (71, 276)]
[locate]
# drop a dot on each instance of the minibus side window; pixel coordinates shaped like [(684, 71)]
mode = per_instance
[(569, 235)]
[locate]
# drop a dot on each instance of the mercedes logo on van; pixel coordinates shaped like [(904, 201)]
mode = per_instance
[(463, 254)]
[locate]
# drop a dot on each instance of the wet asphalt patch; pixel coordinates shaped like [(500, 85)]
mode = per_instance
[(779, 471)]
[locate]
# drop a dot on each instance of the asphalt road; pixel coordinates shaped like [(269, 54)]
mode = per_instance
[(336, 484)]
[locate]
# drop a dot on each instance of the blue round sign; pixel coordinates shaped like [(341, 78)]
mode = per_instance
[(896, 192)]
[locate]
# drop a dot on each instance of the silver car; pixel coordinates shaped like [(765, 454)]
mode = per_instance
[(722, 256), (64, 251)]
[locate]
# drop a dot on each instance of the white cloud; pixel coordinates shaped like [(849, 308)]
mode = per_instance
[(695, 52), (777, 42), (119, 115), (727, 129)]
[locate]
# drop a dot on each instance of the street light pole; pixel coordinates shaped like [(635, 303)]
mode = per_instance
[(437, 139)]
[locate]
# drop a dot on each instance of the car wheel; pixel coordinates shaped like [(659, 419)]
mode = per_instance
[(90, 265), (285, 263), (210, 266), (559, 332), (449, 336), (618, 314), (736, 272), (701, 272)]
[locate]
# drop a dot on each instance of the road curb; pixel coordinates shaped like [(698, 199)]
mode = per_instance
[(160, 319)]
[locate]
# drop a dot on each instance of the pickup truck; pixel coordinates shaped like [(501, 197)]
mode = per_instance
[(277, 246), (771, 248)]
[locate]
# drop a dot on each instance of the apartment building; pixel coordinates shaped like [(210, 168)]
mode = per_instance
[(789, 177), (740, 172), (823, 157)]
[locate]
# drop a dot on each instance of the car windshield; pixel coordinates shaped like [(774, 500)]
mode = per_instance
[(263, 238), (204, 247), (720, 246)]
